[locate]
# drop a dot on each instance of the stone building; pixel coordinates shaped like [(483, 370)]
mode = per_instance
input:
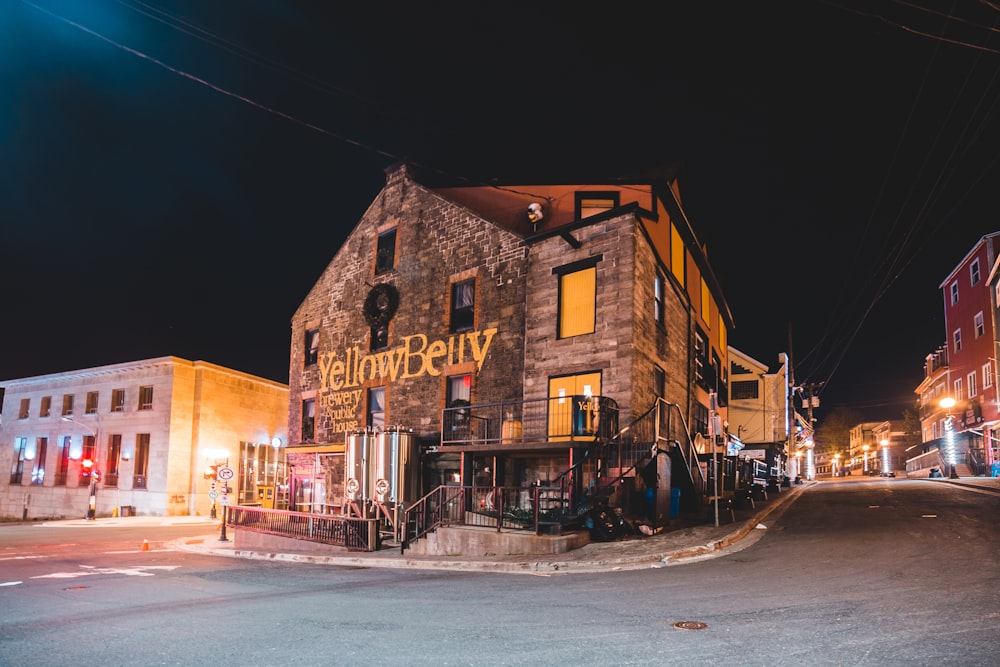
[(511, 330), (145, 432)]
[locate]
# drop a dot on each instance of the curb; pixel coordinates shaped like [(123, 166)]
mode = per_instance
[(514, 565)]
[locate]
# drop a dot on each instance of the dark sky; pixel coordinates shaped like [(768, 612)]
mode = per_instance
[(177, 174)]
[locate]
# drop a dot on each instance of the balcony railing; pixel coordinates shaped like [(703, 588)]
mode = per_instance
[(353, 533), (562, 419)]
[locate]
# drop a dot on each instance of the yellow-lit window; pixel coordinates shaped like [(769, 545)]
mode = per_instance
[(563, 392), (706, 301), (677, 263), (722, 334), (577, 302)]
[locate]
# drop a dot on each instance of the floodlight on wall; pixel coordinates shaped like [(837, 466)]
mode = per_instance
[(535, 214), (276, 442)]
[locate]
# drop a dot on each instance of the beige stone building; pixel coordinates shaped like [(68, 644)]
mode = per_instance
[(148, 430)]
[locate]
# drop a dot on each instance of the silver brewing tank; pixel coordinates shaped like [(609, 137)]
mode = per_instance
[(357, 474), (394, 473)]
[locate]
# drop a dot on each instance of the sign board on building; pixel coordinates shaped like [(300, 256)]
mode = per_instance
[(753, 453)]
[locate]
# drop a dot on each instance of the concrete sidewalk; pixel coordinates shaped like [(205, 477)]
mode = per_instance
[(671, 547)]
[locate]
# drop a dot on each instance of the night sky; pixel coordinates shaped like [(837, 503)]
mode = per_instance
[(177, 174)]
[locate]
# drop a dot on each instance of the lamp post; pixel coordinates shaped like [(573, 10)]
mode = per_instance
[(864, 453), (94, 471), (885, 455)]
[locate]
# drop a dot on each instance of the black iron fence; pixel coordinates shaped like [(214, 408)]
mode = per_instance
[(537, 509), (558, 419), (353, 533)]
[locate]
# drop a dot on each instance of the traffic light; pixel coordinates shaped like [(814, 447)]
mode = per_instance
[(87, 467), (211, 472)]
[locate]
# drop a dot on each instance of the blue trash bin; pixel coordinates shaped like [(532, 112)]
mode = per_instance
[(675, 503)]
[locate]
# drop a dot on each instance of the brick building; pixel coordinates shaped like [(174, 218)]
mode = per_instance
[(149, 428), (508, 329)]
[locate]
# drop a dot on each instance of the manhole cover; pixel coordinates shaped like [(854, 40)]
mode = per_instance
[(690, 625)]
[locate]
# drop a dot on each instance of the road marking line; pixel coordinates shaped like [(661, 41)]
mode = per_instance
[(10, 583)]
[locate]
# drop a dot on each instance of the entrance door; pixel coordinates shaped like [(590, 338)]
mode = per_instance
[(561, 392)]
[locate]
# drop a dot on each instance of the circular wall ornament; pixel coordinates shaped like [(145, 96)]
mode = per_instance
[(380, 305)]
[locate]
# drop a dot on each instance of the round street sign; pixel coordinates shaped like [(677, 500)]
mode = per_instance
[(213, 494), (225, 500), (226, 473)]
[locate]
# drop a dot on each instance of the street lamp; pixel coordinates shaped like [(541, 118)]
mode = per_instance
[(864, 451), (90, 465), (885, 455)]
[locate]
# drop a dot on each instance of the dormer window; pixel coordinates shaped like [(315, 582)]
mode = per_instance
[(589, 204), (385, 252)]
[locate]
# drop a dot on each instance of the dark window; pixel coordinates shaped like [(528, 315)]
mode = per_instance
[(308, 420), (702, 369), (117, 400), (699, 419), (719, 381), (46, 408), (463, 301), (659, 382), (38, 474), (25, 408), (62, 458), (114, 461), (145, 398), (378, 338), (141, 467), (745, 389), (92, 397), (385, 252), (312, 347), (67, 409)]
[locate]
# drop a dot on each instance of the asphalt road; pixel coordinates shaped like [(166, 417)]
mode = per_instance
[(870, 572)]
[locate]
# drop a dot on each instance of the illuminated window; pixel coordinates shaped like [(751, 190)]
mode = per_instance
[(958, 339), (308, 420), (463, 301), (594, 203), (46, 408), (974, 271), (312, 347), (376, 408), (92, 397), (38, 473), (117, 400), (577, 298), (25, 408), (17, 470), (146, 398), (678, 256), (706, 302), (385, 252), (459, 389), (89, 454), (141, 461), (659, 290), (67, 408), (978, 321)]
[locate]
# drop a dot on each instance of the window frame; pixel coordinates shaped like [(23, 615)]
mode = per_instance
[(45, 409), (563, 293), (145, 397), (974, 273), (308, 425), (978, 324), (659, 298), (971, 388), (987, 375), (25, 409), (92, 401), (585, 200), (67, 405), (954, 292), (311, 347), (117, 400), (956, 337), (461, 318), (386, 251)]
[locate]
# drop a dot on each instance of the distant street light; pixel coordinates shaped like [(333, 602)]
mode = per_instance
[(93, 472)]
